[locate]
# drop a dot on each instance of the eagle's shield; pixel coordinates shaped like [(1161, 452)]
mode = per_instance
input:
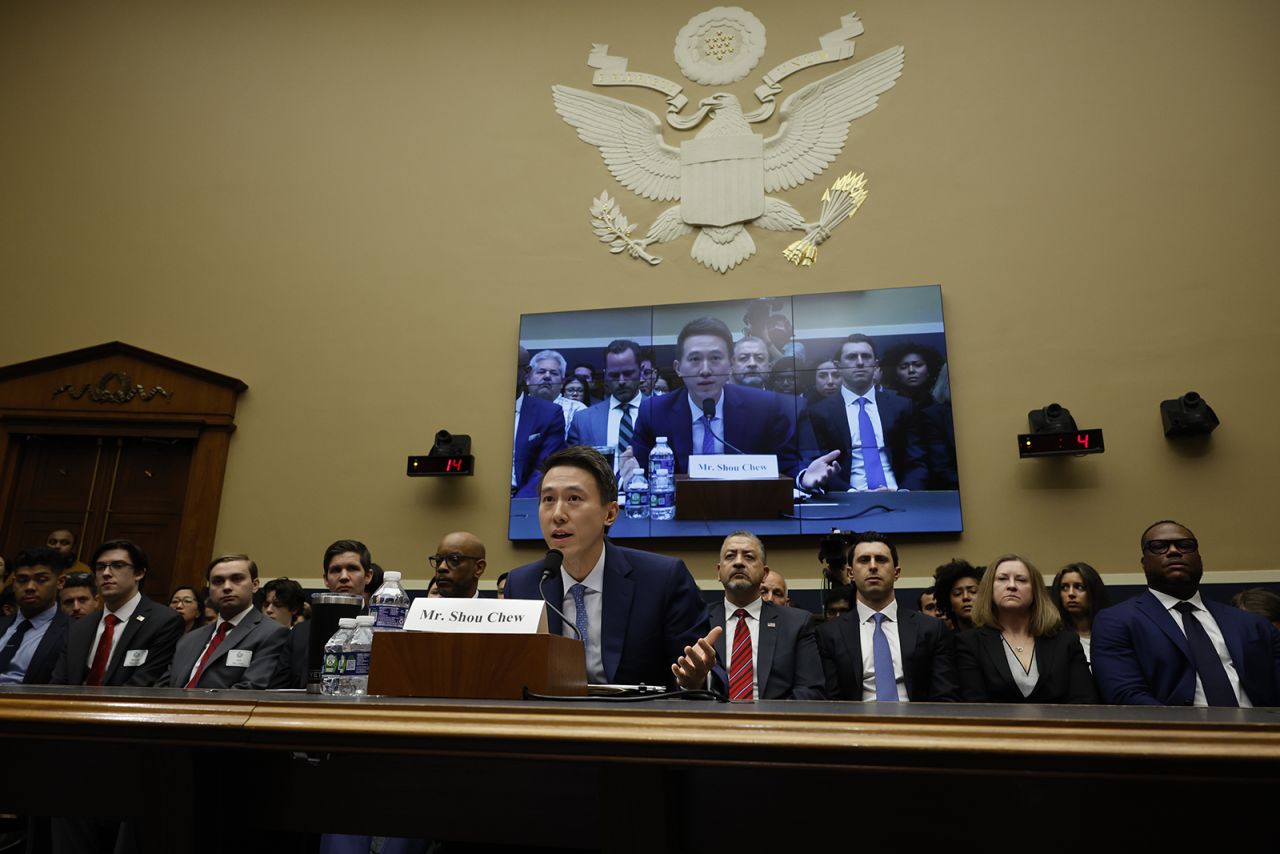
[(722, 179)]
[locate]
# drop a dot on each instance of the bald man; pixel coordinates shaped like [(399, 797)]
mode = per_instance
[(459, 562), (774, 588)]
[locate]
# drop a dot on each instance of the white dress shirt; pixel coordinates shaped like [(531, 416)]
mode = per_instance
[(1219, 644), (615, 417), (857, 468), (123, 615), (717, 426), (866, 635), (731, 626), (593, 598)]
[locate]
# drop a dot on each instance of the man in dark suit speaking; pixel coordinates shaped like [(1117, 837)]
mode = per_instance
[(1170, 647), (768, 650), (242, 648), (32, 639), (639, 614), (874, 431), (539, 430), (708, 416)]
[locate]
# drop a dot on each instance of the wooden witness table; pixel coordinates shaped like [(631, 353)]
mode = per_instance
[(670, 775)]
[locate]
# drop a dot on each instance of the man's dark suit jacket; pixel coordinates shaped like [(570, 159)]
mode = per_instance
[(539, 432), (266, 639), (651, 611), (985, 676), (927, 666), (152, 627), (787, 664), (45, 658), (1141, 657), (755, 422), (826, 429)]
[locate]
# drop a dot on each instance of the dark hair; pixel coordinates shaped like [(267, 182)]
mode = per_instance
[(1098, 596), (855, 338), (355, 546), (375, 581), (136, 555), (946, 576), (1258, 600), (51, 558), (503, 577), (928, 591), (74, 538), (871, 537), (712, 326), (589, 460), (288, 594), (586, 388), (835, 594), (781, 368), (81, 579), (1143, 541), (199, 597), (227, 558), (621, 345), (895, 354), (750, 535)]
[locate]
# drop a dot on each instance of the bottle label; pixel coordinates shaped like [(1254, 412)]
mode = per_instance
[(389, 616), (360, 664), (331, 664)]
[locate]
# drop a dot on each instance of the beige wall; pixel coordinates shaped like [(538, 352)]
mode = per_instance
[(348, 205)]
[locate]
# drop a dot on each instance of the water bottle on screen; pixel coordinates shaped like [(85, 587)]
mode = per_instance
[(390, 605), (333, 656), (637, 496), (357, 651), (662, 481)]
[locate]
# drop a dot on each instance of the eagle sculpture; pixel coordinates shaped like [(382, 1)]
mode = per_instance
[(720, 177)]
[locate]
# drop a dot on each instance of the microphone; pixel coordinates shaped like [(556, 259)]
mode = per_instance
[(709, 411), (550, 566)]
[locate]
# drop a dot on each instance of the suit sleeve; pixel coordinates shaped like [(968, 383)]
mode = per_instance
[(810, 681), (269, 668), (973, 686), (576, 427), (59, 676), (1115, 663), (686, 618), (910, 464), (159, 652), (942, 686), (826, 642), (1080, 687)]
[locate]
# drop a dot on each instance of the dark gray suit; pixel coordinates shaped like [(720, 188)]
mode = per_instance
[(153, 627), (591, 425), (265, 639), (928, 665), (787, 664)]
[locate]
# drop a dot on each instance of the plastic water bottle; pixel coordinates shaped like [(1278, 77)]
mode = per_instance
[(637, 496), (333, 656), (662, 481), (356, 653), (390, 605)]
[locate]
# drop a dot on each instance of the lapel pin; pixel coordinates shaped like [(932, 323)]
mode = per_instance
[(139, 618), (771, 625)]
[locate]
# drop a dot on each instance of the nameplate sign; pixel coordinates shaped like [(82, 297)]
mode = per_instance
[(477, 616), (733, 466)]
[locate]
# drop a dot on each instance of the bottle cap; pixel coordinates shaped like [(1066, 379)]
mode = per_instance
[(347, 623), (662, 440), (391, 575), (366, 620)]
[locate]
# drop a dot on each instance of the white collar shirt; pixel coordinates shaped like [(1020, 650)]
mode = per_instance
[(1214, 631), (866, 636), (857, 467), (717, 426), (593, 599)]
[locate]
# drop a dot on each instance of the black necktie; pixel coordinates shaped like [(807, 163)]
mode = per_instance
[(625, 428), (11, 648), (1204, 655)]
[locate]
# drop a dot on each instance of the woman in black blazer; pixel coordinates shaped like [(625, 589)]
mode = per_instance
[(1018, 651)]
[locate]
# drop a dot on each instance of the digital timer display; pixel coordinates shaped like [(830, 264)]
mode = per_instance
[(1073, 442), (429, 466)]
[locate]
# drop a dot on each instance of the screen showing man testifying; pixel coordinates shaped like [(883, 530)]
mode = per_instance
[(847, 394)]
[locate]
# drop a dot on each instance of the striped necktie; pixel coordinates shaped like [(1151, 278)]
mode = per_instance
[(742, 674)]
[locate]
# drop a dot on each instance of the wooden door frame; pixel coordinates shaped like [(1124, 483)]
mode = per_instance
[(109, 390)]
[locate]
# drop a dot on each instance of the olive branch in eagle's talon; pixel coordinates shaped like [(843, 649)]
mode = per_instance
[(611, 227)]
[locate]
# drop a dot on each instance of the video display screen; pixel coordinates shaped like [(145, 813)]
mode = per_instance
[(850, 394)]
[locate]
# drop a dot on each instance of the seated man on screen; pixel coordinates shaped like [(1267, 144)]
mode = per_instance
[(611, 422), (743, 419), (769, 650), (539, 430), (639, 614), (874, 430), (751, 362), (546, 381)]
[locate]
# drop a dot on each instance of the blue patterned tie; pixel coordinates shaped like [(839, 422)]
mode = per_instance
[(625, 428), (886, 682), (11, 648), (870, 448), (708, 440), (579, 592)]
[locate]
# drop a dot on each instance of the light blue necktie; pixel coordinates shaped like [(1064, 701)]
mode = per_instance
[(870, 448), (708, 439), (886, 682), (579, 592)]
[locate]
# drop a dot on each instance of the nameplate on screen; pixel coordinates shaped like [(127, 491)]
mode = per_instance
[(733, 466), (477, 616)]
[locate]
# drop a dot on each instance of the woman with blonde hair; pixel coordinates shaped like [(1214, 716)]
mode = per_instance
[(1018, 650)]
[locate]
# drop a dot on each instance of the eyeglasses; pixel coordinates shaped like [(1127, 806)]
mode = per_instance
[(182, 600), (1159, 547), (116, 565), (452, 559)]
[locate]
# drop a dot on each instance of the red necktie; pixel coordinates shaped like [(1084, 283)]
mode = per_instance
[(208, 653), (742, 677), (103, 652)]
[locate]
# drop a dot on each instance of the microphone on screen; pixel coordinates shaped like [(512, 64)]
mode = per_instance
[(709, 410), (550, 566)]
